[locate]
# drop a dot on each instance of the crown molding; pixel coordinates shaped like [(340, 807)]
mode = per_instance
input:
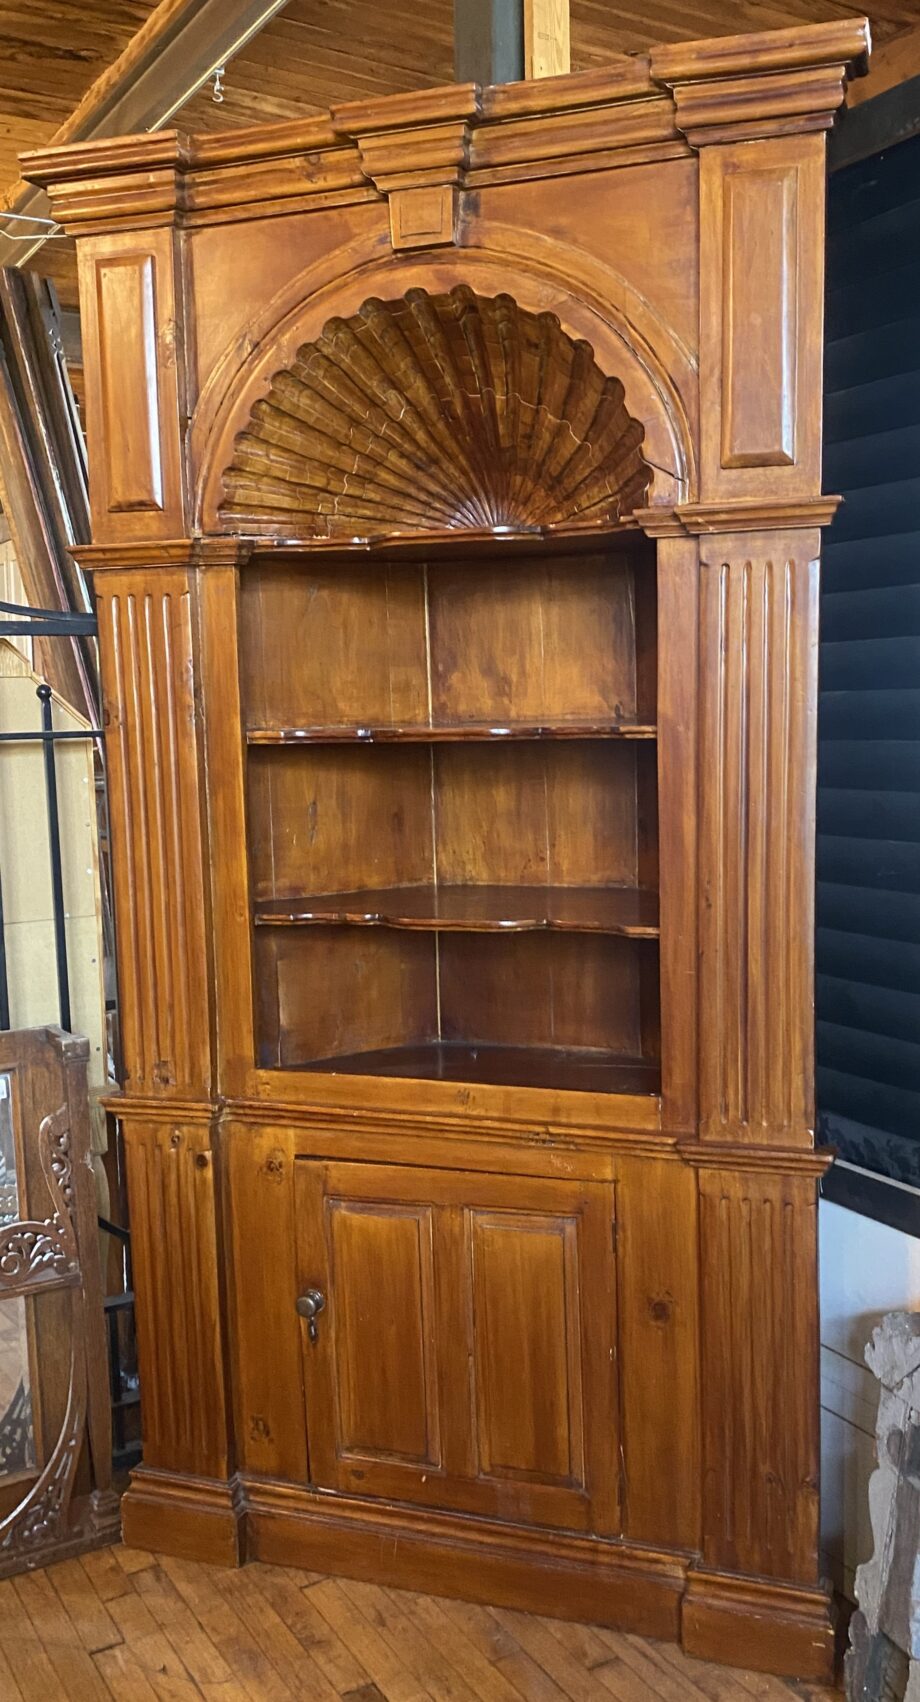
[(805, 46), (420, 108), (628, 78), (655, 106), (699, 519), (795, 1161), (223, 551), (733, 89)]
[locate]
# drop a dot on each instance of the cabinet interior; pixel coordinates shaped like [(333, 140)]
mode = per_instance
[(452, 816)]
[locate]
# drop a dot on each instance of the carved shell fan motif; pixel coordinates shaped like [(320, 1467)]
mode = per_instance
[(432, 412)]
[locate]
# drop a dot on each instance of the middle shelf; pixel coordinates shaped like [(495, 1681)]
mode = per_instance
[(628, 911), (455, 732)]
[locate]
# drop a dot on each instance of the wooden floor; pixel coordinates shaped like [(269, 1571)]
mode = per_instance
[(143, 1628)]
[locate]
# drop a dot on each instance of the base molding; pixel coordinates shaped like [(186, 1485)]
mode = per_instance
[(752, 1622), (194, 1518), (717, 1616), (541, 1571)]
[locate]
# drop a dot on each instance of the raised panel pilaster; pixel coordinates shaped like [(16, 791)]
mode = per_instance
[(758, 711), (761, 293), (131, 300)]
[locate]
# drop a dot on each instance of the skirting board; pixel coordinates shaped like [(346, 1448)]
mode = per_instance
[(192, 1518), (478, 1566), (651, 1592), (750, 1622)]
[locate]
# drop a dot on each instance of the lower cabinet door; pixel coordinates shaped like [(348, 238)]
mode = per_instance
[(459, 1339)]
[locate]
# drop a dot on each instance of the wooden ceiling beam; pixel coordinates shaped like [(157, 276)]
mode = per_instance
[(547, 38), (174, 52)]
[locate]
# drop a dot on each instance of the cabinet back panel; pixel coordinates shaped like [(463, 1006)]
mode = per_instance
[(327, 819), (333, 991), (333, 819), (542, 990), (328, 991), (333, 645), (533, 639), (513, 641), (536, 814)]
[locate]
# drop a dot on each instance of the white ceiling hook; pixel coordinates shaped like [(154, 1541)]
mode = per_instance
[(219, 84)]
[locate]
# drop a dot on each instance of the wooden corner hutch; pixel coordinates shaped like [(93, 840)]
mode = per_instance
[(455, 478)]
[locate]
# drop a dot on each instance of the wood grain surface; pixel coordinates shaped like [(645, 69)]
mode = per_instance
[(497, 409)]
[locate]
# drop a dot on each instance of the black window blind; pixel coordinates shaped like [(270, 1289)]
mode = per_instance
[(868, 866)]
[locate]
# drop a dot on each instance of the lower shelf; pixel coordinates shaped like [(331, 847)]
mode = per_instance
[(569, 1069)]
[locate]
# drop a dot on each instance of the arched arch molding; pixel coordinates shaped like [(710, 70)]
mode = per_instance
[(658, 377)]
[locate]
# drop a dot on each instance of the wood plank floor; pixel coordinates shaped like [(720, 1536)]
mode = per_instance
[(141, 1627)]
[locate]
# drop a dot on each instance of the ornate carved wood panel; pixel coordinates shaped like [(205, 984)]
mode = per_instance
[(55, 1420), (758, 710), (446, 410), (148, 667)]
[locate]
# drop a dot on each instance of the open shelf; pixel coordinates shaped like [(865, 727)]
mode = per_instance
[(539, 643), (572, 1069), (451, 790), (630, 911), (452, 732), (330, 992)]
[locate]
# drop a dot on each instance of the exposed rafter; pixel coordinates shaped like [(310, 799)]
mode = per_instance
[(547, 38)]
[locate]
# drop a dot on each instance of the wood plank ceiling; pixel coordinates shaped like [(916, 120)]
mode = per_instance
[(50, 53), (317, 52)]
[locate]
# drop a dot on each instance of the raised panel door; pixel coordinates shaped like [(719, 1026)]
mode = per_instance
[(385, 1344), (465, 1354), (526, 1308)]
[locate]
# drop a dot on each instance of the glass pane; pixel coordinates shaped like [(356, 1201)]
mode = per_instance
[(17, 1434), (9, 1188)]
